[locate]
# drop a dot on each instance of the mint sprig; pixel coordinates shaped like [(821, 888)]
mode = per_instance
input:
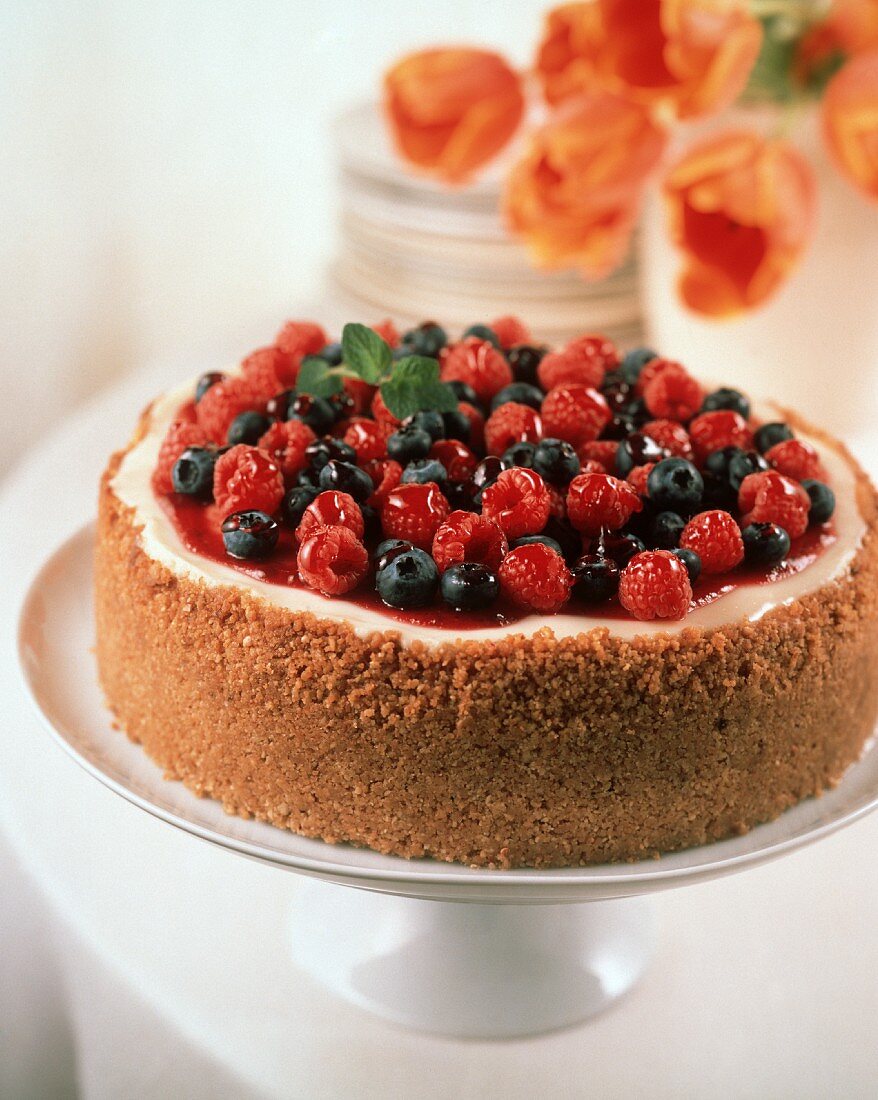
[(407, 385)]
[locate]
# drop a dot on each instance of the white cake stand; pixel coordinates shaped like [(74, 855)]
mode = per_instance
[(529, 950)]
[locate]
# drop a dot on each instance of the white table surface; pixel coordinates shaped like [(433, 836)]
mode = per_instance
[(174, 953)]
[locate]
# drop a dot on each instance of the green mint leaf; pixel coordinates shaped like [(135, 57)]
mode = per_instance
[(317, 378), (414, 385), (365, 353)]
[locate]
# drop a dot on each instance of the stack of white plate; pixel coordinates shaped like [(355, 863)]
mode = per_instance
[(413, 249)]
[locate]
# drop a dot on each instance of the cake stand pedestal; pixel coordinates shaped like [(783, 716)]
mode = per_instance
[(449, 949)]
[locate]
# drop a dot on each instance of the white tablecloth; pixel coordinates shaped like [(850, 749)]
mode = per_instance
[(174, 968)]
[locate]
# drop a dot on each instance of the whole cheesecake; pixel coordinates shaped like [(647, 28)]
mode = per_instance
[(573, 608)]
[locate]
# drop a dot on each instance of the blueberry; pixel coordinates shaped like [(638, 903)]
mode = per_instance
[(637, 411), (249, 534), (371, 523), (409, 579), (765, 543), (524, 360), (470, 586), (308, 477), (321, 451), (332, 353), (741, 465), (633, 363), (427, 339), (278, 407), (423, 470), (595, 578), (620, 547), (717, 462), (521, 393), (546, 540), (520, 454), (617, 392), (247, 427), (456, 425), (691, 560), (316, 412), (407, 444), (296, 501), (674, 484), (556, 461), (636, 450), (769, 434), (483, 332), (346, 478), (665, 530), (427, 420), (460, 496), (206, 381), (620, 427), (192, 474), (822, 500), (487, 472), (388, 548), (726, 398), (463, 391), (343, 405), (566, 538)]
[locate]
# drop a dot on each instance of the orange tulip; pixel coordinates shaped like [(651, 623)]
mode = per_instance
[(850, 122), (741, 210), (692, 56), (575, 193), (451, 110)]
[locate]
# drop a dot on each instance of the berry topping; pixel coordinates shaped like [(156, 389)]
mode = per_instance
[(711, 431), (298, 339), (483, 332), (716, 539), (765, 543), (536, 577), (518, 501), (288, 442), (575, 413), (595, 578), (295, 502), (318, 453), (602, 451), (524, 360), (368, 439), (381, 412), (409, 443), (796, 459), (655, 585), (423, 470), (428, 420), (769, 434), (408, 578), (427, 339), (572, 365), (665, 530), (510, 330), (247, 479), (672, 394), (247, 427), (556, 461), (519, 392), (414, 512), (822, 500), (726, 398), (193, 473), (386, 475), (465, 536), (675, 484), (670, 435), (691, 560), (621, 548), (267, 370), (599, 501), (469, 586), (331, 509), (511, 423), (251, 534), (637, 478), (332, 560), (347, 479), (520, 454), (740, 465), (637, 450), (206, 381), (479, 364), (633, 363), (316, 412), (222, 403), (180, 436), (770, 497), (459, 461)]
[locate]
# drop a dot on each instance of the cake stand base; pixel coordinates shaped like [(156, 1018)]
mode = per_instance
[(470, 970)]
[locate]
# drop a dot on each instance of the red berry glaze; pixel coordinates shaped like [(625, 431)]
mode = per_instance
[(575, 413), (332, 560), (414, 512), (479, 364), (771, 497), (536, 577), (597, 502), (465, 536), (512, 423), (247, 479), (716, 539), (519, 502), (655, 585), (286, 441)]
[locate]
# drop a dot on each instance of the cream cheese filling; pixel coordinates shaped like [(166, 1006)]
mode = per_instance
[(161, 542)]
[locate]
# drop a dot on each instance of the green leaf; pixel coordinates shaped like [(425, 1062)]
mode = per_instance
[(415, 385), (317, 379), (365, 353)]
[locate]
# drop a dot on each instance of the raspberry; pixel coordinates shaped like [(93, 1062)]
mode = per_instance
[(599, 501), (476, 424), (796, 459), (652, 369), (479, 364), (585, 360), (332, 560), (655, 585), (266, 370), (223, 402), (716, 539), (286, 441), (601, 451), (296, 340), (459, 461), (557, 503), (518, 501), (180, 435), (360, 392), (510, 330), (414, 512), (386, 475), (575, 413), (465, 536), (535, 577), (714, 430), (512, 423), (331, 509), (388, 332), (673, 394), (368, 438), (770, 497), (381, 412), (590, 466), (637, 477), (671, 436), (246, 479)]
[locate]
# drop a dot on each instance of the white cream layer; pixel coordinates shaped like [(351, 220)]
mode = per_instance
[(161, 542)]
